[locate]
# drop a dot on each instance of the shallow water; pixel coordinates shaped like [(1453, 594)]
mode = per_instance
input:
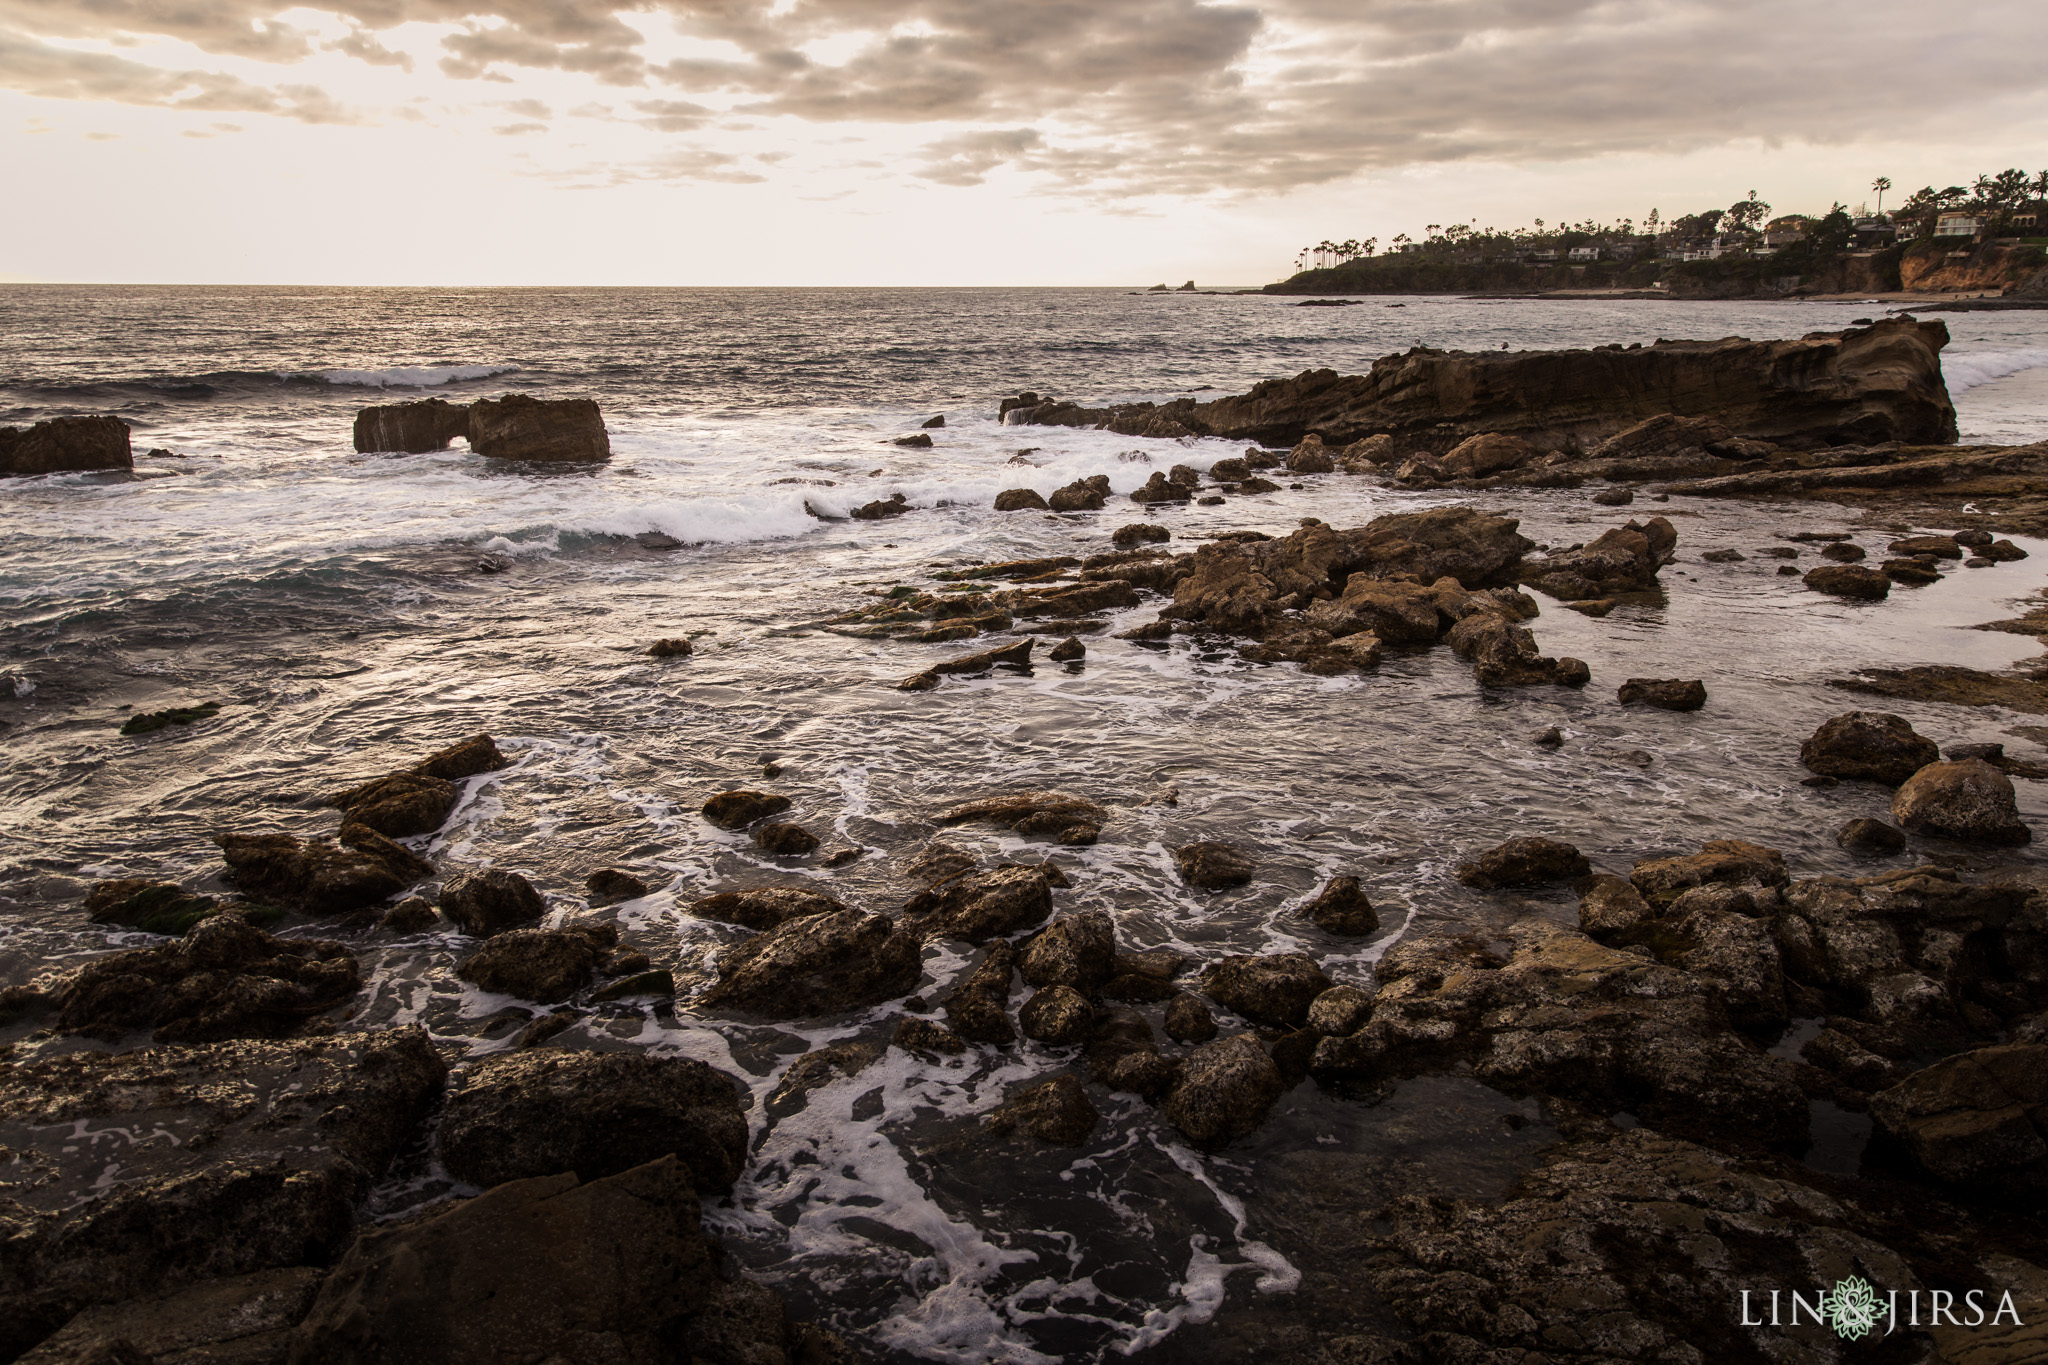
[(332, 602)]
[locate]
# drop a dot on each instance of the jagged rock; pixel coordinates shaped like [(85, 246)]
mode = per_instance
[(490, 901), (1503, 654), (1525, 861), (1057, 1016), (1040, 814), (1068, 650), (1341, 907), (543, 965), (895, 505), (544, 1111), (1849, 580), (1669, 694), (1057, 1111), (1720, 862), (1339, 1010), (1212, 866), (64, 445), (1622, 559), (1611, 909), (1008, 656), (520, 427), (1159, 488), (765, 907), (1970, 800), (979, 906), (319, 876), (1077, 950), (2002, 552), (1871, 836), (738, 809), (1474, 547), (1020, 500), (1310, 456), (1872, 745), (979, 1007), (411, 428), (785, 841), (1224, 1090), (1188, 1020), (609, 885), (400, 805), (264, 1151), (224, 979), (816, 965), (1275, 989), (1082, 495), (1978, 1120), (1664, 439), (1490, 452)]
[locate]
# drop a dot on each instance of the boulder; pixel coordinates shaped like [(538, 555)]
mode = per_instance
[(468, 758), (1614, 497), (1035, 814), (1068, 650), (936, 862), (256, 1157), (1850, 580), (545, 1111), (1212, 866), (1525, 861), (543, 965), (1621, 559), (1476, 548), (1611, 909), (1082, 495), (738, 809), (1490, 452), (1720, 862), (413, 915), (1141, 533), (1057, 1112), (1224, 1090), (785, 840), (224, 979), (927, 1039), (411, 428), (1842, 554), (1871, 836), (1122, 1055), (1874, 746), (1188, 1020), (1159, 488), (817, 965), (1969, 800), (155, 907), (895, 505), (979, 906), (979, 1007), (1978, 1121), (1056, 1016), (609, 885), (1076, 950), (765, 907), (1669, 694), (1276, 989), (1341, 907), (1339, 1010), (65, 445), (520, 427), (1941, 547), (490, 901), (1020, 500), (1310, 456), (670, 647), (1504, 654), (319, 876), (400, 805)]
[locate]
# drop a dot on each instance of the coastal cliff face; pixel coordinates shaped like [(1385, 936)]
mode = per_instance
[(1871, 384), (1936, 270)]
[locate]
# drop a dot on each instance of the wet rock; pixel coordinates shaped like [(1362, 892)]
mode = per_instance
[(1341, 907), (1665, 438), (224, 979), (938, 861), (149, 722), (1490, 452), (519, 427), (1057, 1016), (609, 885), (765, 907), (1082, 495), (1724, 557), (545, 1111), (1122, 1056), (1008, 656), (1525, 861), (400, 805), (1915, 573), (1614, 497), (155, 907), (2002, 552), (1211, 866), (1970, 800), (979, 906), (1669, 694), (785, 841), (1474, 547), (1941, 547), (1623, 559), (1188, 1020), (264, 1150), (413, 915), (979, 1007), (319, 876), (1037, 814), (927, 1039), (657, 982), (1339, 1010), (1068, 650), (817, 965), (1720, 862), (1140, 533), (1225, 1090), (1311, 457), (1849, 580), (65, 445), (673, 647), (1550, 738), (1871, 836), (1159, 488), (1875, 746), (895, 505), (490, 901), (468, 758), (1077, 950), (1842, 553), (1612, 910), (1978, 1120), (1020, 500), (544, 965), (1364, 456), (738, 809), (1275, 989), (410, 428), (1503, 654), (1057, 1111)]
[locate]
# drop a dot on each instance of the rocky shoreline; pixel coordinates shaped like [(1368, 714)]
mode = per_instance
[(192, 1128)]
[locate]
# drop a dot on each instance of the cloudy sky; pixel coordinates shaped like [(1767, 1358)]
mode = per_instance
[(948, 142)]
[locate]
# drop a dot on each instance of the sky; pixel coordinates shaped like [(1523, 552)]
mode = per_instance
[(949, 142)]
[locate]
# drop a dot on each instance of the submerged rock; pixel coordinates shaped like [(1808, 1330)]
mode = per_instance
[(520, 427), (738, 809), (64, 445), (1871, 745), (1871, 836), (544, 1111), (1035, 814), (817, 965), (490, 901), (1970, 800), (785, 840), (1212, 866), (608, 885)]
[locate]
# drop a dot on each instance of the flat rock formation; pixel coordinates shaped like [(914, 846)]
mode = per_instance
[(1869, 384), (65, 445)]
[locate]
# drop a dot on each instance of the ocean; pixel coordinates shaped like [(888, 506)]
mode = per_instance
[(351, 613)]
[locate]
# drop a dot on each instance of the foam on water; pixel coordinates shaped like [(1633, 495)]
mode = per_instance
[(1967, 370), (406, 376)]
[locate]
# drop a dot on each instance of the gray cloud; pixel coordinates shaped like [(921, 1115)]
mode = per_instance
[(35, 68)]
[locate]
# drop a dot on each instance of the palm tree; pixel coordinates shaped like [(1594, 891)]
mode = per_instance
[(1881, 184)]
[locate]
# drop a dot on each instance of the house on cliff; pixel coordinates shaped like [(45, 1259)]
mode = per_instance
[(1958, 225)]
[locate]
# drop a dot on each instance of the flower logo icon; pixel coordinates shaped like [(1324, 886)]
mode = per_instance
[(1852, 1308)]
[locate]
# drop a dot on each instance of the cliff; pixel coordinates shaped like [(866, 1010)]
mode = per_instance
[(1933, 269)]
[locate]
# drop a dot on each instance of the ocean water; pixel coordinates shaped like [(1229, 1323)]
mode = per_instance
[(334, 604)]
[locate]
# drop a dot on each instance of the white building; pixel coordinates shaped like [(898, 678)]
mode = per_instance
[(1584, 253), (1958, 225)]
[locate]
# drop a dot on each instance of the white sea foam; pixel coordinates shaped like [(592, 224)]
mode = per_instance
[(411, 376), (1971, 368)]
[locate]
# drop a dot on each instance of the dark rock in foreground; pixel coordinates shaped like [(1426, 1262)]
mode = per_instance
[(1872, 745), (490, 901), (543, 965), (1224, 1091), (1275, 989), (520, 427), (765, 907), (816, 965), (544, 1111), (1978, 1120), (979, 906), (65, 445)]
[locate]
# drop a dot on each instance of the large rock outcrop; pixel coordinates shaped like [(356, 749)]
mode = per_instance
[(521, 427), (65, 445), (411, 428), (1863, 385)]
